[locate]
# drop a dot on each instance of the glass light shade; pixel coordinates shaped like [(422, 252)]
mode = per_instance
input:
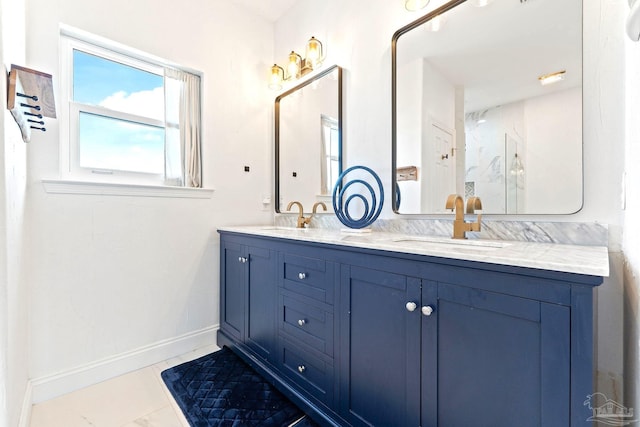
[(313, 53), (295, 64), (413, 5), (277, 77), (516, 168)]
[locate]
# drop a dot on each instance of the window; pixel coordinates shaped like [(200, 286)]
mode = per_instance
[(131, 119), (330, 169)]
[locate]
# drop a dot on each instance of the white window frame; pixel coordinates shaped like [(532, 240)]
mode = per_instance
[(70, 39)]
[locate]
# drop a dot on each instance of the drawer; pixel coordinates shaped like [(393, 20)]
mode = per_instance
[(307, 276), (310, 373), (307, 323)]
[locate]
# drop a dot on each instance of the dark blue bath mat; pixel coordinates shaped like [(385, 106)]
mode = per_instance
[(221, 390)]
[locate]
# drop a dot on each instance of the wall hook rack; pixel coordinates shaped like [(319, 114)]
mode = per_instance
[(30, 95)]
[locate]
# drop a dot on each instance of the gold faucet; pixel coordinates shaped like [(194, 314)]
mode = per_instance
[(316, 204), (460, 227), (302, 221)]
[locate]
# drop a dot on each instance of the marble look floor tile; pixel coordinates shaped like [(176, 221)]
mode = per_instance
[(165, 417), (111, 403), (139, 398)]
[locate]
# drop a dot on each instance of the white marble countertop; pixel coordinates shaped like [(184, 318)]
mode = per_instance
[(588, 260)]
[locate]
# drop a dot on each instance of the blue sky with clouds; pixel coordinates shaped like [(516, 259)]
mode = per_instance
[(115, 144)]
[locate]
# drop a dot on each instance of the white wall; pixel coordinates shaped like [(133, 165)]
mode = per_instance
[(631, 241), (118, 282), (409, 127), (358, 37), (13, 291), (552, 143)]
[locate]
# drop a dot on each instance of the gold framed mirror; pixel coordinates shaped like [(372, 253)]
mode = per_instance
[(308, 140), (470, 115)]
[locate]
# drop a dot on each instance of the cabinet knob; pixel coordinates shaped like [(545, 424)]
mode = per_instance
[(302, 276), (411, 306), (242, 259), (301, 368), (302, 322), (427, 310)]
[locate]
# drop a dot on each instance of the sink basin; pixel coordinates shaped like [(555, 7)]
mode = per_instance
[(479, 245), (277, 228)]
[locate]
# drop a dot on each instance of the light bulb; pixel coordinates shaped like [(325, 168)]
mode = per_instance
[(295, 61), (517, 168)]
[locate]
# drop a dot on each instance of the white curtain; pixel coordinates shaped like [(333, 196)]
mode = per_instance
[(183, 163)]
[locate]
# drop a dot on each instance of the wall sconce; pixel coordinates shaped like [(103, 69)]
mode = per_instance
[(414, 5), (297, 65)]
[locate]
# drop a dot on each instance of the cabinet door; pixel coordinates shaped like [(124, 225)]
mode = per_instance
[(501, 360), (380, 348), (232, 289), (261, 300)]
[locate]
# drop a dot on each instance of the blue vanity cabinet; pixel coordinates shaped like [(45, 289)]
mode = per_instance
[(380, 342), (491, 359), (365, 337), (232, 290), (248, 294), (306, 327), (454, 344)]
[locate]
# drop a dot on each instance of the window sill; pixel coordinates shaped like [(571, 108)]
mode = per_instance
[(57, 186)]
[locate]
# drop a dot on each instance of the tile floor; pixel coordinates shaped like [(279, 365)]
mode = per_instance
[(139, 398)]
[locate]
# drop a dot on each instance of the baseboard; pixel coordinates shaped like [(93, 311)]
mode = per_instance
[(25, 412), (50, 386)]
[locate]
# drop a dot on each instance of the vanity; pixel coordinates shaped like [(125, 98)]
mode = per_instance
[(386, 329), (392, 330)]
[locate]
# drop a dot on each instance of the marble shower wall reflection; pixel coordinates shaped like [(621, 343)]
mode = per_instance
[(514, 165)]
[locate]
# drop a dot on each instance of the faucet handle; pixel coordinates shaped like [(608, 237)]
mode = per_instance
[(473, 203)]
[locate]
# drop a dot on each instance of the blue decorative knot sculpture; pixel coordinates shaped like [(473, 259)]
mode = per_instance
[(342, 198)]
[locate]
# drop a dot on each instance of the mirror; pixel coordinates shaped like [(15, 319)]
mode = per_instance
[(470, 115), (308, 141)]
